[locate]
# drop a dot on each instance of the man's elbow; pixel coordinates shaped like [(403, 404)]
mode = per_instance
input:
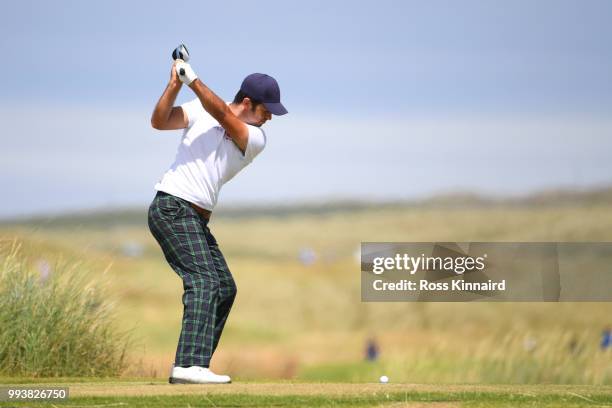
[(156, 124)]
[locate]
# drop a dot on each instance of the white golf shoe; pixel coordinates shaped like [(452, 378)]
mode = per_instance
[(197, 375)]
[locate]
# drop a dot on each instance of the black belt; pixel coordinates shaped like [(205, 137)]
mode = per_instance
[(203, 212)]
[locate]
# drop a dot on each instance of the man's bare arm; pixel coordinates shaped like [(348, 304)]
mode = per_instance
[(219, 110), (166, 116)]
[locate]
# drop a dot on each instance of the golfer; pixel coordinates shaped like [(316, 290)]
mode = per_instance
[(219, 140)]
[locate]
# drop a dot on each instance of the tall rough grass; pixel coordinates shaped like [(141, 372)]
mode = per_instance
[(55, 322)]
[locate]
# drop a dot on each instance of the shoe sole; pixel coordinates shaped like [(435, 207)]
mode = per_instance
[(173, 380)]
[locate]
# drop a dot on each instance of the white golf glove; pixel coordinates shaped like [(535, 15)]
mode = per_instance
[(185, 72)]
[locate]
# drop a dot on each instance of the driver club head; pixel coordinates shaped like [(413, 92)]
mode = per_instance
[(181, 53)]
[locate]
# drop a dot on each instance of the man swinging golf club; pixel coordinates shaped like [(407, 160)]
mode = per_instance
[(218, 141)]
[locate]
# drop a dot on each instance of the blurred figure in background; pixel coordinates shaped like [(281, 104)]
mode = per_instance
[(372, 349), (606, 338)]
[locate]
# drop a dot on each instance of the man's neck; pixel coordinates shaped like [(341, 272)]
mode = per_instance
[(236, 109)]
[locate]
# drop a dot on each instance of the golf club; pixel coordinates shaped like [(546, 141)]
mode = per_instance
[(181, 53)]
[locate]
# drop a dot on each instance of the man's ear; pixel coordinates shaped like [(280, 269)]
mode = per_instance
[(248, 104)]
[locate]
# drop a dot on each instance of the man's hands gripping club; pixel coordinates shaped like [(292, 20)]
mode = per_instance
[(183, 69), (185, 72)]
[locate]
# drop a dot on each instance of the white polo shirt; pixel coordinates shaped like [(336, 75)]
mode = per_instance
[(207, 158)]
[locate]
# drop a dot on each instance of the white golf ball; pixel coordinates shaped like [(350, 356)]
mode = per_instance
[(383, 379)]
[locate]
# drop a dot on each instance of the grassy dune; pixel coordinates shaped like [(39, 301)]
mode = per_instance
[(292, 321)]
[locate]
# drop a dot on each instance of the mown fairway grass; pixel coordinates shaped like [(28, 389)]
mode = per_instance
[(154, 393)]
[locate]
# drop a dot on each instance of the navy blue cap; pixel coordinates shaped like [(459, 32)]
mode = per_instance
[(264, 88)]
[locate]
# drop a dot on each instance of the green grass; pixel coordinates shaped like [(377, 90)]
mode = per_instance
[(55, 320), (380, 395), (248, 401)]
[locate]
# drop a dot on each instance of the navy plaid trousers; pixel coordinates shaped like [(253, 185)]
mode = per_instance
[(193, 253)]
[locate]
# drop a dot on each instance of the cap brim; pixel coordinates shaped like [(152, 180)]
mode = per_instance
[(275, 108)]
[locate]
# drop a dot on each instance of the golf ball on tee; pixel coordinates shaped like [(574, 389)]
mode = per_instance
[(383, 379)]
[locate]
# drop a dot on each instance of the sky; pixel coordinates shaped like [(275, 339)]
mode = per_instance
[(387, 100)]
